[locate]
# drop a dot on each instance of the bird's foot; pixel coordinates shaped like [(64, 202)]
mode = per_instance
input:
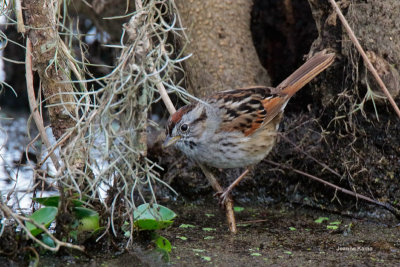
[(223, 197)]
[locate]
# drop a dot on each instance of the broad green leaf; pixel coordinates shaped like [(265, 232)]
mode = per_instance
[(163, 243), (152, 224), (153, 217), (54, 200), (43, 216), (48, 201), (81, 212), (88, 219), (48, 240)]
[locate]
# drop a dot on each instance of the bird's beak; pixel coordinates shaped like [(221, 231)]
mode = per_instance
[(170, 141)]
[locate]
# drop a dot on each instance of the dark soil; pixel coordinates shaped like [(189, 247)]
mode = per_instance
[(277, 235), (280, 235)]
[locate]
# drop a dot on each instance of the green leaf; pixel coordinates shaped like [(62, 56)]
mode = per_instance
[(209, 237), (181, 237), (256, 254), (48, 201), (321, 219), (163, 244), (48, 240), (183, 225), (209, 229), (335, 223), (45, 216), (292, 228), (153, 217), (81, 212), (332, 227), (238, 209), (151, 224), (206, 258), (88, 219), (54, 200)]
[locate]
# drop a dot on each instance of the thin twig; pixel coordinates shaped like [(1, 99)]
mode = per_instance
[(164, 96), (387, 206), (365, 57)]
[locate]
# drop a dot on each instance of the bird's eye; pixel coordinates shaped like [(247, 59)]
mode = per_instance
[(184, 127)]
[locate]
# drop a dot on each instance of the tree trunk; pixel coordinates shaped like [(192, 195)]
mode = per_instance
[(49, 62), (223, 54)]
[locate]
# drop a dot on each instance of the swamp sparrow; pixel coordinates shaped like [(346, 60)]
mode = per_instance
[(238, 128)]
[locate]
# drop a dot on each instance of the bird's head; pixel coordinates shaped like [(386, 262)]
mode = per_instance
[(185, 126)]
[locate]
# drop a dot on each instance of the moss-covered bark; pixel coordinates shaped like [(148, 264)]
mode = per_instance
[(50, 64)]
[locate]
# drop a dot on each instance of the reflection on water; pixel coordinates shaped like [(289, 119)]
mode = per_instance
[(16, 171)]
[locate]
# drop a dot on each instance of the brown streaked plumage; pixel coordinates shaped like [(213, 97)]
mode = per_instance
[(237, 128)]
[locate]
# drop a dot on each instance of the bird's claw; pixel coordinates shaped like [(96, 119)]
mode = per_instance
[(223, 197)]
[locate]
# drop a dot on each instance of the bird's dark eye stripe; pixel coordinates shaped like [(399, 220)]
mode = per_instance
[(202, 117), (169, 128)]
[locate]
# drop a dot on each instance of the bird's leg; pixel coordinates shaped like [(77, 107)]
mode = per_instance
[(228, 204), (223, 196)]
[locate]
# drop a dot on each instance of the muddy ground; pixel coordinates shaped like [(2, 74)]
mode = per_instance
[(280, 235)]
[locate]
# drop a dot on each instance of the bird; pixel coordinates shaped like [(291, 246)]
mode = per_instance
[(238, 128)]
